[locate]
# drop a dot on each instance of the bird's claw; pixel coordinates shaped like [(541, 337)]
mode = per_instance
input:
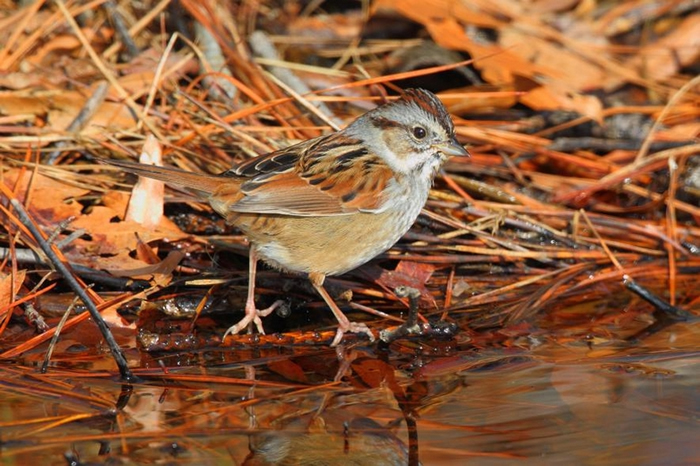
[(252, 317)]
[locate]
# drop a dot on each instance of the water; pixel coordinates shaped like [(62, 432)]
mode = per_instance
[(550, 404)]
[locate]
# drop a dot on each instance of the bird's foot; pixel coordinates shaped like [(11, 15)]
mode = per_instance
[(352, 327), (253, 315)]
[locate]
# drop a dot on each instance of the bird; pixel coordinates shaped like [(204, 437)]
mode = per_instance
[(327, 205)]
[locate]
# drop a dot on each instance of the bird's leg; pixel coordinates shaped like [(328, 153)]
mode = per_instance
[(252, 313), (344, 325)]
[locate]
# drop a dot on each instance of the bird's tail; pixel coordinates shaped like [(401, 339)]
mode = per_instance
[(202, 183)]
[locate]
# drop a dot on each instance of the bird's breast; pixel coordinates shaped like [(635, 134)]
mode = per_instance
[(331, 245)]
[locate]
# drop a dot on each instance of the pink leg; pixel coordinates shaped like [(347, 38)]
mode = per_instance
[(252, 314), (344, 325)]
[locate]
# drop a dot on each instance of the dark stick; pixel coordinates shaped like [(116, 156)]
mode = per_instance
[(85, 114), (412, 427), (27, 256), (675, 313), (566, 144), (82, 294), (122, 31), (411, 328)]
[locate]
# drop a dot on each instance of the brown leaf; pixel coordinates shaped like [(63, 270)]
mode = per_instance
[(111, 239), (408, 273), (59, 108), (159, 271), (288, 369), (7, 294), (108, 240), (679, 48)]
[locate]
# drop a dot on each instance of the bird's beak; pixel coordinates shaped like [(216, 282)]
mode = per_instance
[(452, 147)]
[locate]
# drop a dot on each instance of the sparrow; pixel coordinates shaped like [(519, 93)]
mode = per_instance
[(328, 205)]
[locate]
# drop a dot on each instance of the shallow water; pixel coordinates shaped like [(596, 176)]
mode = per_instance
[(548, 404)]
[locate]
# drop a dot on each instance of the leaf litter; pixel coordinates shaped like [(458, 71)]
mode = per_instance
[(564, 252)]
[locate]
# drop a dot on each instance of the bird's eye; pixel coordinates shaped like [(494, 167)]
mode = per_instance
[(419, 132)]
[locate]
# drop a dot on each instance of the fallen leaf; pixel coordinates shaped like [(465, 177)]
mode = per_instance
[(7, 293), (60, 108), (664, 58)]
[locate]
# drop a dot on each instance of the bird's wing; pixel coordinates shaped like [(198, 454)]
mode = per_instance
[(332, 175)]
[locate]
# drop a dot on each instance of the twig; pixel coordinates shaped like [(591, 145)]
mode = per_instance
[(670, 311), (122, 32), (220, 89), (411, 326), (639, 167), (644, 150), (667, 309), (262, 47), (570, 144), (142, 23), (133, 106), (157, 77), (59, 266), (28, 256), (57, 333), (85, 115)]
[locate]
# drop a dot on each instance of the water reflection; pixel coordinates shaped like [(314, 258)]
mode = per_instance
[(578, 413), (550, 406)]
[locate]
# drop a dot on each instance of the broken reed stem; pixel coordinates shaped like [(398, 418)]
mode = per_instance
[(49, 352)]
